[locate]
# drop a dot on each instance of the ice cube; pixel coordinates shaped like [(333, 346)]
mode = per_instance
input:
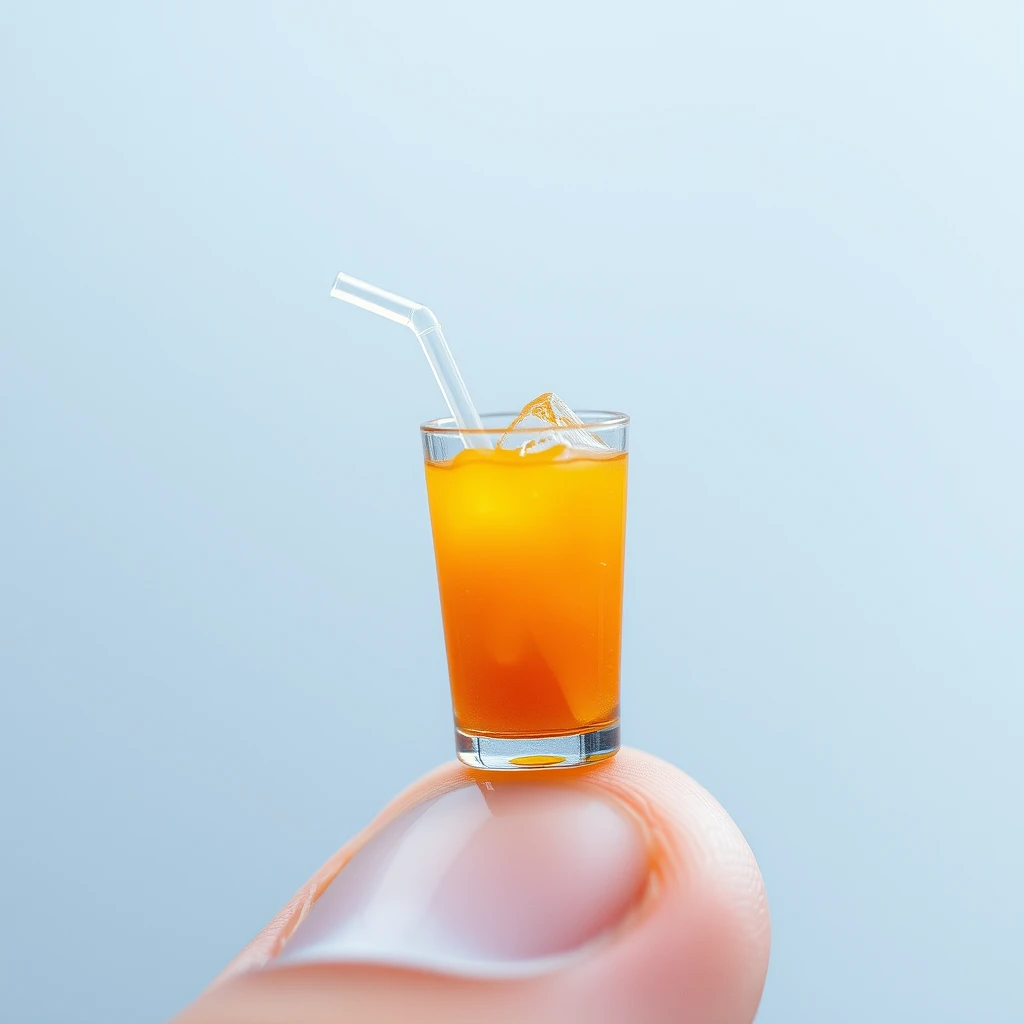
[(546, 411)]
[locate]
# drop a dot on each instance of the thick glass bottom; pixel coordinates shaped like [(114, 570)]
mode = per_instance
[(501, 753)]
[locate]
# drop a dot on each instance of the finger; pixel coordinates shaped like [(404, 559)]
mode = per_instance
[(620, 892)]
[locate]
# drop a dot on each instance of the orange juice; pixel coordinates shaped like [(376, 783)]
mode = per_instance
[(529, 551)]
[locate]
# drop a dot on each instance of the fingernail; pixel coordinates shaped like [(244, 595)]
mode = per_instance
[(496, 879)]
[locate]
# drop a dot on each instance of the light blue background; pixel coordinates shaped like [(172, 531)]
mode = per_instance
[(786, 237)]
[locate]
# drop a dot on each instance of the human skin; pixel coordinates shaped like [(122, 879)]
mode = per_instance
[(629, 871)]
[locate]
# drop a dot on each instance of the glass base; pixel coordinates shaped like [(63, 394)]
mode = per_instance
[(493, 752)]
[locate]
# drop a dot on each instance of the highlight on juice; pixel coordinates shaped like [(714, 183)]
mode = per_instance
[(529, 539)]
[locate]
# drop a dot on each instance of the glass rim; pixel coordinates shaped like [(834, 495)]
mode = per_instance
[(605, 420)]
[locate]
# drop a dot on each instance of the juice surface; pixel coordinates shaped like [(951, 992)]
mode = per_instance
[(529, 553)]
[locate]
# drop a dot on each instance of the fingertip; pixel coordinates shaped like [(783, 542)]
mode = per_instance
[(694, 947)]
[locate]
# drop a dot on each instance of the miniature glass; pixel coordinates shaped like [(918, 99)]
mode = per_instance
[(529, 540)]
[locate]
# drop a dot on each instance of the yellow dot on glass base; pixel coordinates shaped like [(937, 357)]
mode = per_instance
[(536, 761)]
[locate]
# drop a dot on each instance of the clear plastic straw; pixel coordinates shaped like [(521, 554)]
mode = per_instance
[(428, 333)]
